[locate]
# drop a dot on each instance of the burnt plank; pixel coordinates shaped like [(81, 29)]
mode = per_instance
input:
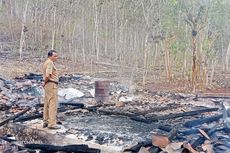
[(171, 116), (14, 116), (196, 122), (39, 115), (190, 113), (137, 147), (69, 148), (183, 132), (115, 112), (80, 105), (201, 139)]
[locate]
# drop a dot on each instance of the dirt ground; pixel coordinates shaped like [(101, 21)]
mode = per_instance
[(11, 67)]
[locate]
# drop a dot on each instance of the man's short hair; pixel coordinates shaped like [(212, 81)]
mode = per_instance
[(50, 53)]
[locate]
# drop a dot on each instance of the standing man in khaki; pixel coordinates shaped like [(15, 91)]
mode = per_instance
[(50, 85)]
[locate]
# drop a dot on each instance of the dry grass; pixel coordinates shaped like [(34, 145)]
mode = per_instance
[(11, 68)]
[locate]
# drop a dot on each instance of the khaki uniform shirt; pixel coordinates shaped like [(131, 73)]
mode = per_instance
[(49, 69)]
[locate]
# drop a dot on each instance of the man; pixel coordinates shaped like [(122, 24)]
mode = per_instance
[(50, 85)]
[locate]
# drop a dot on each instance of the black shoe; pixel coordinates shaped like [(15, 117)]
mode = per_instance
[(55, 127), (59, 122), (45, 125)]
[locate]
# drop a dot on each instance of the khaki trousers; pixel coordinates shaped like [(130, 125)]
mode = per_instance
[(50, 104)]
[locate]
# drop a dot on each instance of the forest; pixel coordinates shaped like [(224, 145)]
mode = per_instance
[(149, 40)]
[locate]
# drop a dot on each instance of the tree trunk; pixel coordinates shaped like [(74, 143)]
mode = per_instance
[(23, 31), (194, 61), (227, 57), (54, 28)]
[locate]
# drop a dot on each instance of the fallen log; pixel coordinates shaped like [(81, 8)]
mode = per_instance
[(14, 116), (68, 148), (203, 120), (171, 116)]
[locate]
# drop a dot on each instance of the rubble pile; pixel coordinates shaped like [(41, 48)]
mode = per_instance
[(150, 121)]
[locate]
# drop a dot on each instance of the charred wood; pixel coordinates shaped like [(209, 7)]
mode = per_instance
[(29, 117), (201, 139), (95, 107), (148, 143), (20, 148), (154, 149), (171, 135), (183, 132), (137, 147), (158, 109), (203, 120), (116, 112), (141, 118), (69, 148), (33, 76), (171, 116), (39, 115), (79, 105), (190, 113), (3, 79), (14, 117)]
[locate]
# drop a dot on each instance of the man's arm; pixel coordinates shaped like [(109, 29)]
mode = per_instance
[(46, 80), (49, 70)]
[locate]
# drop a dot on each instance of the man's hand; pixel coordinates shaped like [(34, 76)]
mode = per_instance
[(45, 81), (43, 84)]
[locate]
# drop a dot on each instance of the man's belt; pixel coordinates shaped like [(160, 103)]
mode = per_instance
[(53, 82)]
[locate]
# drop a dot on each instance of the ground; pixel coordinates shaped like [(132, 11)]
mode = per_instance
[(11, 67), (109, 125)]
